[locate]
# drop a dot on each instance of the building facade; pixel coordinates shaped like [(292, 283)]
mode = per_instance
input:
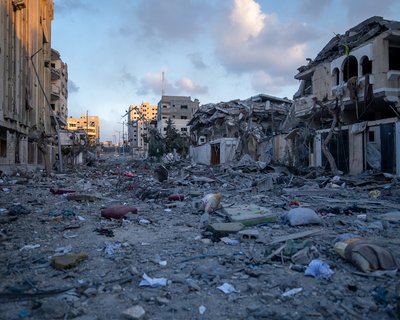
[(26, 127), (59, 88), (179, 109), (349, 99), (139, 118), (89, 124)]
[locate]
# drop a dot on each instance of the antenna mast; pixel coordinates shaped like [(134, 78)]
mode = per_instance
[(162, 84)]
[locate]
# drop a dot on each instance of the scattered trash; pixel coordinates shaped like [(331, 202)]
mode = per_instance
[(202, 309), (30, 246), (229, 241), (61, 191), (104, 232), (110, 248), (17, 209), (5, 190), (153, 282), (129, 174), (303, 216), (176, 197), (144, 222), (366, 256), (292, 292), (211, 202), (117, 211), (318, 269), (374, 194), (227, 288)]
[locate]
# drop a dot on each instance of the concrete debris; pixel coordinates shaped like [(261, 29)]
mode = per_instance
[(65, 260)]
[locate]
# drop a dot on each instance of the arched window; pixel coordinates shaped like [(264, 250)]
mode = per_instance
[(335, 76), (350, 68), (366, 65)]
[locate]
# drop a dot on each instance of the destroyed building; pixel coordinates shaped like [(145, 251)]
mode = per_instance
[(348, 100), (27, 131), (222, 131)]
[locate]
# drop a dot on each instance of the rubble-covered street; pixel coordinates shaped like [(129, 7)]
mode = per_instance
[(269, 249)]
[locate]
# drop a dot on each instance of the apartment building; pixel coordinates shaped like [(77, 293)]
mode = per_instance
[(179, 109), (140, 117), (89, 124), (26, 128), (59, 88), (352, 89)]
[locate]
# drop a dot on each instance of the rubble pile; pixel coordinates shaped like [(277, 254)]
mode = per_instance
[(130, 239)]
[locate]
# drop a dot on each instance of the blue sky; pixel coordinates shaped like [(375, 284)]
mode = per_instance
[(212, 50)]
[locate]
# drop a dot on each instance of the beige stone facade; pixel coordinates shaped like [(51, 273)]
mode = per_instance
[(88, 124), (357, 74), (139, 118), (26, 128), (59, 88)]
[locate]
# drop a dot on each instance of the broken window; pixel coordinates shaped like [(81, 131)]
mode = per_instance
[(350, 68), (183, 117), (184, 106), (3, 144), (366, 66), (394, 54), (335, 75), (184, 129), (308, 86)]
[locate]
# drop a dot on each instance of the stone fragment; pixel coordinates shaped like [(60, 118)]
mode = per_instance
[(135, 312), (68, 261), (223, 229)]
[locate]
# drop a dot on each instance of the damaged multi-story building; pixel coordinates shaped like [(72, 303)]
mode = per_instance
[(348, 100), (222, 132), (59, 88), (27, 131)]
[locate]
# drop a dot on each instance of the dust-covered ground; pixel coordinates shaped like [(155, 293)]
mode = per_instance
[(172, 243)]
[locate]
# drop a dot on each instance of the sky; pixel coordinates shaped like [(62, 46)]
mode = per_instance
[(210, 50)]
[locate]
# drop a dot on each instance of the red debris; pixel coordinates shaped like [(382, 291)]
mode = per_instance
[(117, 212), (176, 197)]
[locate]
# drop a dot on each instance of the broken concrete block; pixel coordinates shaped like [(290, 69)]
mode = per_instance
[(249, 234), (223, 229), (68, 261), (250, 214), (135, 312)]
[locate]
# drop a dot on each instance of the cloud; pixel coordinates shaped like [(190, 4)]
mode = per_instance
[(250, 40), (263, 82), (186, 85), (151, 83), (197, 60), (127, 78), (358, 10), (314, 8), (172, 19), (72, 87)]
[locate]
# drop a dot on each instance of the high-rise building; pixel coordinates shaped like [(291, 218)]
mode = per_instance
[(26, 127), (87, 123), (179, 109), (139, 119)]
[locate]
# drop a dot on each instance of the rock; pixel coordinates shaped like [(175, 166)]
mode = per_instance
[(135, 312), (302, 216), (162, 301), (68, 261), (54, 308)]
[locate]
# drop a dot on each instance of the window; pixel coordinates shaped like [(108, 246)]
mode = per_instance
[(184, 129), (165, 129), (394, 54), (335, 75), (366, 66), (350, 68), (371, 136), (183, 117), (165, 106), (184, 106)]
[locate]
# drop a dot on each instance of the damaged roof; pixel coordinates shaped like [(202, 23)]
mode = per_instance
[(260, 106), (353, 38)]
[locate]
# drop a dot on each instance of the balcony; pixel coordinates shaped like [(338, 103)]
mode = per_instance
[(55, 74)]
